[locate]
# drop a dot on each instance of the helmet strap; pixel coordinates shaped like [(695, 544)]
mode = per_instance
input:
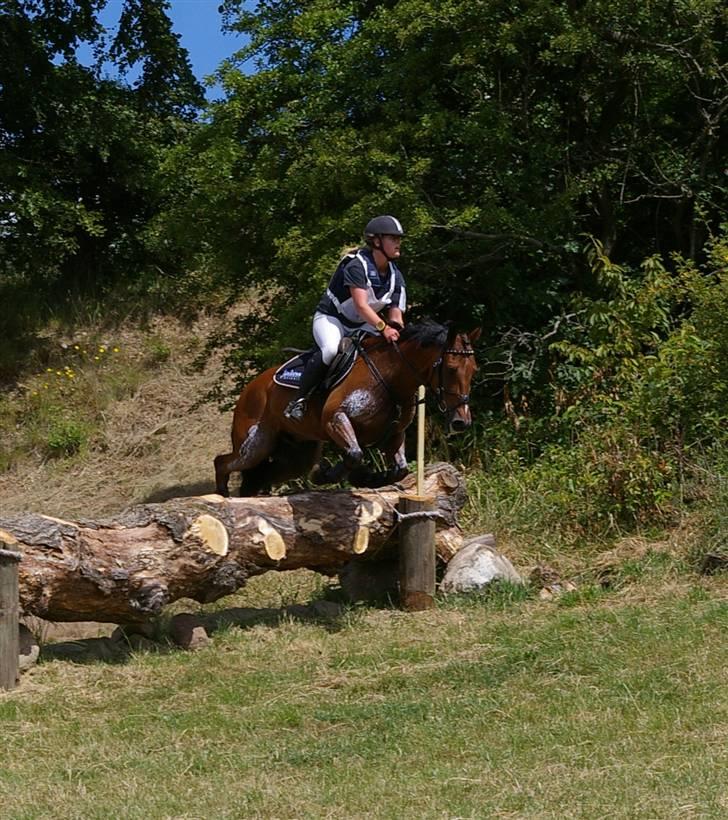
[(381, 250)]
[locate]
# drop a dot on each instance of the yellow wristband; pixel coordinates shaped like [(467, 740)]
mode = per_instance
[(380, 325)]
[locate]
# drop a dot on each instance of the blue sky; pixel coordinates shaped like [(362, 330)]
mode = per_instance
[(198, 23)]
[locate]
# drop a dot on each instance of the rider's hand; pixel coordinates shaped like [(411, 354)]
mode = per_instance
[(391, 334)]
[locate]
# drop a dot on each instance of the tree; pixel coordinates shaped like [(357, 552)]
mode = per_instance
[(499, 132), (78, 153)]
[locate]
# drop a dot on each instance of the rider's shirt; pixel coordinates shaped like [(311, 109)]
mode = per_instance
[(358, 270)]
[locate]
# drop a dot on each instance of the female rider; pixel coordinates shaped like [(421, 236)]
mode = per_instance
[(366, 281)]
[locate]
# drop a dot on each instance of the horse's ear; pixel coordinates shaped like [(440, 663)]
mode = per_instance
[(474, 335)]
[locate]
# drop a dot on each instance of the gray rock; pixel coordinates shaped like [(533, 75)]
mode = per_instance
[(477, 564), (29, 649)]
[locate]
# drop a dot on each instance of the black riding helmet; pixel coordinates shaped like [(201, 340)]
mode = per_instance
[(383, 226)]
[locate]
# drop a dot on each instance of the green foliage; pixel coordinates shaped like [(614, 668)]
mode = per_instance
[(79, 152), (634, 418), (497, 132)]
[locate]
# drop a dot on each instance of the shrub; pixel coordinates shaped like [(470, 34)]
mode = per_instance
[(66, 437), (638, 392)]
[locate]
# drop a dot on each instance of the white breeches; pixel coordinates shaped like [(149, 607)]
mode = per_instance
[(328, 331)]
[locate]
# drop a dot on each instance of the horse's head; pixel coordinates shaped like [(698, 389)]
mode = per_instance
[(452, 374)]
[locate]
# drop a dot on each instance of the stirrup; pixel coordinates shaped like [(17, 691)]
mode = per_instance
[(296, 409)]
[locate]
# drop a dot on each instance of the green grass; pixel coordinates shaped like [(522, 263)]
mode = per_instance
[(500, 706)]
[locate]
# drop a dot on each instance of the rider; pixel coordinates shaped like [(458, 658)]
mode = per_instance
[(366, 281)]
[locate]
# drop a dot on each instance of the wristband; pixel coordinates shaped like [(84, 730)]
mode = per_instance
[(380, 325)]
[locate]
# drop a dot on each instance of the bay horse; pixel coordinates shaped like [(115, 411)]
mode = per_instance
[(372, 406)]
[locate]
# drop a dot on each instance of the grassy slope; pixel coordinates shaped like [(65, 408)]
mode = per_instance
[(149, 440), (605, 703)]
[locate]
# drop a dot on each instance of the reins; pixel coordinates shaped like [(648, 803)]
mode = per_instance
[(440, 391)]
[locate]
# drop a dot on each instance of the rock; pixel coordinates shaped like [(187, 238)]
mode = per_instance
[(477, 564), (714, 562), (548, 582), (188, 631), (369, 580), (29, 649), (123, 633)]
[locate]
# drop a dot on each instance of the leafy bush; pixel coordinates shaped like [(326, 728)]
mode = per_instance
[(66, 437), (636, 406)]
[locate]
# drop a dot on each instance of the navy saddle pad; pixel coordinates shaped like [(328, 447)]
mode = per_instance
[(289, 374)]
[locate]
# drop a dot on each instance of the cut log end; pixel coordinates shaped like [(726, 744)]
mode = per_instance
[(211, 533), (361, 540), (273, 543), (7, 540)]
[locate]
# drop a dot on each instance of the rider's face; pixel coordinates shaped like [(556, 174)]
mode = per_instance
[(391, 245)]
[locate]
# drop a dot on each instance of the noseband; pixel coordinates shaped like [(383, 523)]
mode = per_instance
[(440, 391)]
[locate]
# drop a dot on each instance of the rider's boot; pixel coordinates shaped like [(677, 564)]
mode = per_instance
[(312, 376)]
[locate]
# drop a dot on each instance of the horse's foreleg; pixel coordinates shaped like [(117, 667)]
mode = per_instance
[(342, 434), (395, 453)]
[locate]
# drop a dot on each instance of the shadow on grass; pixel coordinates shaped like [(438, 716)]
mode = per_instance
[(180, 491), (156, 638)]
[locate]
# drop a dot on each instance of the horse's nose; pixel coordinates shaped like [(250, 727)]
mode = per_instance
[(457, 425)]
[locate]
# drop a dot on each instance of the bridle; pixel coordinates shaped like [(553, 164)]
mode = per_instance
[(440, 391), (438, 367)]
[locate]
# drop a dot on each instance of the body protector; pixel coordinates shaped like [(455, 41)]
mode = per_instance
[(359, 271)]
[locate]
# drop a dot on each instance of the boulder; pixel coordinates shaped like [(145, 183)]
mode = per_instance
[(29, 649), (477, 564)]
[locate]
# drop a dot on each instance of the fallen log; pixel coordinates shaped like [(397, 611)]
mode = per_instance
[(126, 569)]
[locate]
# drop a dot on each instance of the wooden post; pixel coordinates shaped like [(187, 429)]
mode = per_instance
[(9, 605), (421, 440), (416, 555), (417, 535)]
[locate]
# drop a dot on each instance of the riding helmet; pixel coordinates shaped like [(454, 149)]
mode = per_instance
[(384, 225)]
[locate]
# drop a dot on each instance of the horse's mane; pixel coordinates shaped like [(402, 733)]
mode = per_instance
[(425, 334)]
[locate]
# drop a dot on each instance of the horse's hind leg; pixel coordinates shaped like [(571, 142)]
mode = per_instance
[(255, 447), (222, 473), (290, 459), (293, 459)]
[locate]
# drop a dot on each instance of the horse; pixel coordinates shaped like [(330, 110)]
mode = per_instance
[(371, 407)]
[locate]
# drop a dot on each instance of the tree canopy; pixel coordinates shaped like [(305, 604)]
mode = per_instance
[(499, 132), (78, 151)]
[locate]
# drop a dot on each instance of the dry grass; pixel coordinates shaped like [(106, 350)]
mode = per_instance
[(156, 443)]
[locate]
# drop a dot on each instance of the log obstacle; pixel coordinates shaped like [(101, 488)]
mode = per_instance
[(9, 605), (125, 569)]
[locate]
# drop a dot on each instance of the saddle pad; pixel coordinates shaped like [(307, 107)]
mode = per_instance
[(289, 374)]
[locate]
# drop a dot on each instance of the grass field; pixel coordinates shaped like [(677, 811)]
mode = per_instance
[(604, 703), (600, 704)]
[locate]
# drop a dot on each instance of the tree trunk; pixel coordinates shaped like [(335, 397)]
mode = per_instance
[(126, 569)]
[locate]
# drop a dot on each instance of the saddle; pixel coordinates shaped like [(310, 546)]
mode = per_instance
[(289, 374)]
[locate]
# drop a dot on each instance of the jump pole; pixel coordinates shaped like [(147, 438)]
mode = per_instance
[(9, 608), (417, 534)]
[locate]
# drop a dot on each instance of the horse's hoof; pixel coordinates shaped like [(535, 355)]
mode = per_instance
[(397, 474)]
